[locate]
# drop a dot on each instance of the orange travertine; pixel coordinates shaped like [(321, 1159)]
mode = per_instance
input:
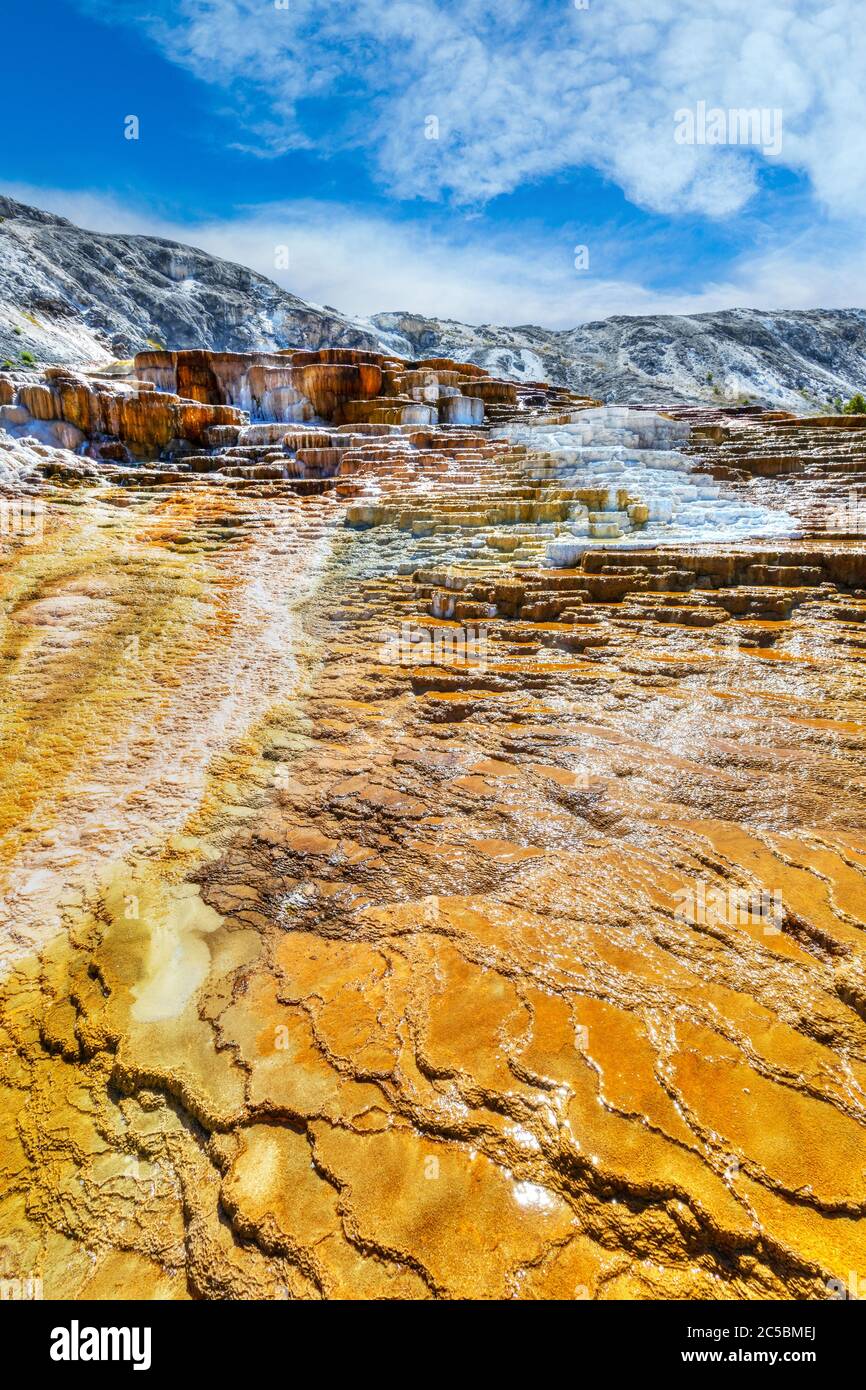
[(336, 963)]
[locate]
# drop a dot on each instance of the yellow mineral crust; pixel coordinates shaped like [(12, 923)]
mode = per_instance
[(329, 969)]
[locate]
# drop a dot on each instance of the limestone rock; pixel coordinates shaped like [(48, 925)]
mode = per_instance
[(81, 297), (389, 912)]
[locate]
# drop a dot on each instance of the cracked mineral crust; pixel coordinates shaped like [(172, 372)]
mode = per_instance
[(432, 841)]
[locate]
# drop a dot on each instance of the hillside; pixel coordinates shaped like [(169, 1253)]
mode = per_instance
[(75, 296)]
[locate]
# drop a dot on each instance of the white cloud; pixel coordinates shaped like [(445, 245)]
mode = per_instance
[(363, 263), (526, 88)]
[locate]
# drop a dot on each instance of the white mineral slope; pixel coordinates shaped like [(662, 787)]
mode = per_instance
[(23, 462), (652, 492)]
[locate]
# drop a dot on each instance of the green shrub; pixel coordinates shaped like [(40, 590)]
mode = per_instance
[(856, 405)]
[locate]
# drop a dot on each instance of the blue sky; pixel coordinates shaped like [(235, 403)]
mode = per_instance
[(302, 124)]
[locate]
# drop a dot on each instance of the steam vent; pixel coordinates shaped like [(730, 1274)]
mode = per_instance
[(433, 839)]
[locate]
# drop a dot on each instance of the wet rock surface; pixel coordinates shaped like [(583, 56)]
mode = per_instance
[(395, 909)]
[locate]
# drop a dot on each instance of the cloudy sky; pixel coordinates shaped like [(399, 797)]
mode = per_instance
[(450, 156)]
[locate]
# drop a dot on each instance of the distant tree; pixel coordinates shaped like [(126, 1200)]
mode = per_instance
[(856, 406)]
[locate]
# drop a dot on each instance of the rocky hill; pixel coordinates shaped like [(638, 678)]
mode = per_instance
[(74, 296), (798, 359)]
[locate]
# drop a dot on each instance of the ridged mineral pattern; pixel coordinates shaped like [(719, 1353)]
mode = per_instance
[(433, 839)]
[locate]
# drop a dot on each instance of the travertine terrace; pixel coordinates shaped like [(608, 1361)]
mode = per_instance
[(433, 841)]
